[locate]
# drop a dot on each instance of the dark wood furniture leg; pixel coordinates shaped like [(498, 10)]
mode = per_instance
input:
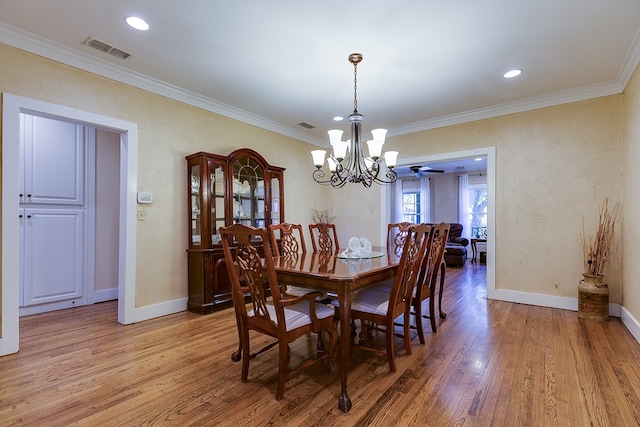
[(237, 355), (344, 298), (443, 269)]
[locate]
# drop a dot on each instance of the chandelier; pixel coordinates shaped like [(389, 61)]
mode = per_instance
[(347, 162)]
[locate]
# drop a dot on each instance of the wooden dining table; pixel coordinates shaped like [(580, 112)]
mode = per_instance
[(341, 277)]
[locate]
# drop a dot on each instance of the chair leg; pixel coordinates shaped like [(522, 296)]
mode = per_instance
[(320, 345), (417, 309), (390, 350), (407, 330), (283, 358), (443, 269), (432, 309), (246, 355)]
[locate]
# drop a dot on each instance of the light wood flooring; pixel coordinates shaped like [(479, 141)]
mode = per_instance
[(491, 363)]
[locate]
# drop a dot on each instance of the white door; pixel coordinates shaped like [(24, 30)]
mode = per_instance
[(53, 165), (54, 207), (53, 256)]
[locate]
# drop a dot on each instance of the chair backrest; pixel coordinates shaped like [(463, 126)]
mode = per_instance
[(435, 255), (290, 237), (245, 262), (455, 230), (324, 238), (396, 235), (413, 252)]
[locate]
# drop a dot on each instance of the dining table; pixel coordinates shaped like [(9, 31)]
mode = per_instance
[(342, 275)]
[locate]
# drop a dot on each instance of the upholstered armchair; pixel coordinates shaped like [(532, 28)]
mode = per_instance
[(456, 250)]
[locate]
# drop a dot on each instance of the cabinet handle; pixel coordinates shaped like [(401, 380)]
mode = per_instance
[(28, 216), (20, 216), (20, 195), (29, 195)]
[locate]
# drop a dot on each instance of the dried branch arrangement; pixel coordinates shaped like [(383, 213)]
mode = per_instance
[(322, 216), (596, 249)]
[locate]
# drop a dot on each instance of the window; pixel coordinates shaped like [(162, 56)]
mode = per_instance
[(411, 206), (478, 210)]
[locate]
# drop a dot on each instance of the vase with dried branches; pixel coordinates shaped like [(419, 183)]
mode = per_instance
[(322, 216), (593, 293)]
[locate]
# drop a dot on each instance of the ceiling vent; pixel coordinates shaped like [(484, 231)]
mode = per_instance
[(306, 125), (107, 48)]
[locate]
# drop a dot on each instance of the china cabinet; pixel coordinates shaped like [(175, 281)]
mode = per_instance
[(222, 190)]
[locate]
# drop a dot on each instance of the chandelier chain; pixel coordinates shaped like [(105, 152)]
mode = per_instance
[(355, 87)]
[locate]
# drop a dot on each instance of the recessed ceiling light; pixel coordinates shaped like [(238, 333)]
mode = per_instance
[(137, 23), (479, 159), (512, 73), (338, 118)]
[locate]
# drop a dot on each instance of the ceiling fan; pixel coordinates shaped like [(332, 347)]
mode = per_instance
[(420, 170)]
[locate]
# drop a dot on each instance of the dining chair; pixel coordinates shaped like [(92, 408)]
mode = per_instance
[(288, 240), (283, 317), (396, 234), (379, 308), (324, 238), (427, 280)]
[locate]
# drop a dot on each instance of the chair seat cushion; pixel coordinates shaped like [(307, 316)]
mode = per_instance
[(385, 285), (456, 250), (297, 315), (298, 291), (371, 300)]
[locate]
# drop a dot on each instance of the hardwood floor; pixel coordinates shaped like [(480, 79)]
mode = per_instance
[(491, 363)]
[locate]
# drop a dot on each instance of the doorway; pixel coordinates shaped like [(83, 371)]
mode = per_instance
[(490, 154), (13, 106)]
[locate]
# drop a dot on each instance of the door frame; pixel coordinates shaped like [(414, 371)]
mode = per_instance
[(490, 154), (12, 106)]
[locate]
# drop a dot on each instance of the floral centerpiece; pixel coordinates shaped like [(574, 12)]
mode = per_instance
[(596, 249)]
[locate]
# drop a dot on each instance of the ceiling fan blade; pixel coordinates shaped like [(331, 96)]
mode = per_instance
[(433, 170)]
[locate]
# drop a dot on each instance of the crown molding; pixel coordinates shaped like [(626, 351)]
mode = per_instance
[(40, 46), (48, 49), (558, 98)]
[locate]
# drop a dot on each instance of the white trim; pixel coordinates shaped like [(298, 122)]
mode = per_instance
[(103, 295), (90, 217), (630, 322), (46, 48), (31, 43), (562, 303), (490, 153), (12, 107), (558, 98), (160, 309)]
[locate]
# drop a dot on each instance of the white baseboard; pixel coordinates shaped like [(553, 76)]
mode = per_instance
[(159, 310), (105, 295), (541, 300), (631, 323)]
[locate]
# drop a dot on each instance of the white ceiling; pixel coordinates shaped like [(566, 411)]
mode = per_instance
[(276, 64)]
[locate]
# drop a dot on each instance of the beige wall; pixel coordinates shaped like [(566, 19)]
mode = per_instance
[(631, 220), (168, 130), (554, 168)]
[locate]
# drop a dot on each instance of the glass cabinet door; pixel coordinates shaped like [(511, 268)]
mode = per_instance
[(217, 195), (248, 192), (196, 206), (275, 199)]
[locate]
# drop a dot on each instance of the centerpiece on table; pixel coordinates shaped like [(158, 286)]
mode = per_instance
[(593, 293)]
